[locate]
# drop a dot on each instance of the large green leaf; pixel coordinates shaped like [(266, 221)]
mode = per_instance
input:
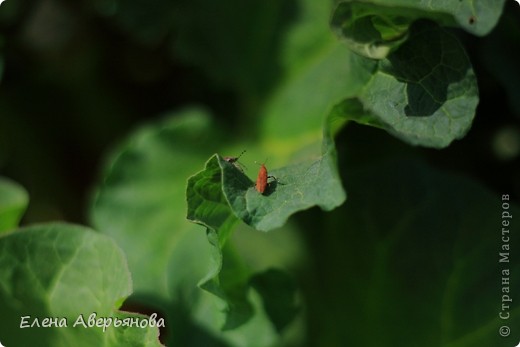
[(374, 28), (222, 193), (13, 202), (208, 206), (424, 93), (416, 253), (215, 197), (65, 272)]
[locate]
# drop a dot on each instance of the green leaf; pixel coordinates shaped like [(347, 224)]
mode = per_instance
[(65, 272), (13, 202), (411, 247), (424, 93), (220, 193), (208, 206), (227, 277), (216, 196), (375, 28), (232, 193)]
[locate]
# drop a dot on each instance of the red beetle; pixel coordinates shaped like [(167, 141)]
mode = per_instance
[(261, 180)]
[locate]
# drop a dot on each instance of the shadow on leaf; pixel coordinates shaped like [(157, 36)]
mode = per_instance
[(429, 63)]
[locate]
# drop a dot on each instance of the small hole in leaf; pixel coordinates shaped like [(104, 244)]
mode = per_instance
[(472, 20)]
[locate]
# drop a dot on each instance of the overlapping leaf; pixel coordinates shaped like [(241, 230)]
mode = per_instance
[(424, 93), (216, 196)]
